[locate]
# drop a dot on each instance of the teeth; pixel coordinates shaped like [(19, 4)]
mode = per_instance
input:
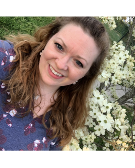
[(54, 72)]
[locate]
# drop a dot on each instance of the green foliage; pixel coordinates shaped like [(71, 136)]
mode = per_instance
[(122, 28), (121, 31), (100, 143), (113, 35), (25, 25), (129, 113)]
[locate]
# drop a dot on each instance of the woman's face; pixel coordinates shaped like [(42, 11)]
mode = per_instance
[(67, 56)]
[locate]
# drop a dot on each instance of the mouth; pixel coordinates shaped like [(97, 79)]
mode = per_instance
[(54, 73)]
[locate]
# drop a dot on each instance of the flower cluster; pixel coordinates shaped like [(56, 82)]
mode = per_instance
[(107, 119), (119, 67), (110, 21), (120, 18), (104, 119)]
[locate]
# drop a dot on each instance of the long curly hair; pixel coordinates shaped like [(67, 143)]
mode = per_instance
[(69, 110)]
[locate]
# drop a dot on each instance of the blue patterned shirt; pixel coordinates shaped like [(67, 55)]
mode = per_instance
[(25, 133)]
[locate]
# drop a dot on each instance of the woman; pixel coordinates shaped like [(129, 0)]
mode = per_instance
[(45, 86)]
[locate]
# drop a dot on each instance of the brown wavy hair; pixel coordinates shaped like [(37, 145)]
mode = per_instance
[(69, 110)]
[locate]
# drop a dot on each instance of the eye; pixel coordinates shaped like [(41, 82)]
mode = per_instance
[(59, 46), (79, 63)]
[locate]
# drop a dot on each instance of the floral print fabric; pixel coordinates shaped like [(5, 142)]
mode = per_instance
[(20, 133)]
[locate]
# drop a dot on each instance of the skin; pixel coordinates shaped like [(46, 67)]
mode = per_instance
[(70, 53)]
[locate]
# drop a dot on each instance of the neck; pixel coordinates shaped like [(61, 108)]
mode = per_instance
[(46, 89)]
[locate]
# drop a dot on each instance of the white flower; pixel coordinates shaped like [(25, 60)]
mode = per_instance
[(86, 149), (81, 132), (66, 148), (94, 113), (106, 106), (117, 124), (74, 145), (97, 97), (99, 130), (104, 122), (105, 74), (123, 130), (103, 109), (88, 121), (110, 21), (110, 118), (88, 139)]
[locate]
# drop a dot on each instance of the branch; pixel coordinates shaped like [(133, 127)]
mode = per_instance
[(127, 96), (102, 85)]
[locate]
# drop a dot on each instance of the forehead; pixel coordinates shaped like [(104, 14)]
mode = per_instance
[(74, 31), (78, 41)]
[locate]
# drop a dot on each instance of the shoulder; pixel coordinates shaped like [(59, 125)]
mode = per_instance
[(7, 55), (6, 49), (5, 44)]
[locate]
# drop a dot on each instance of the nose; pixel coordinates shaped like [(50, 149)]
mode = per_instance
[(62, 63)]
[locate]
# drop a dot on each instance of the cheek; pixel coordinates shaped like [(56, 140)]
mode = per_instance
[(41, 61), (48, 54), (44, 54), (77, 75), (81, 75)]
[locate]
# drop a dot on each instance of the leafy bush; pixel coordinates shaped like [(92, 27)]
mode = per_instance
[(25, 25)]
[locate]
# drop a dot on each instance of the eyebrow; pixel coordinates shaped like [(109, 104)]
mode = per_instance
[(66, 47)]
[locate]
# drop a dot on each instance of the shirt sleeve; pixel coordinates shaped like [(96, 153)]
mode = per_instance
[(7, 55)]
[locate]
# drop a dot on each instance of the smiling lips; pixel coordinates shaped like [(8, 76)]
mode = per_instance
[(54, 74)]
